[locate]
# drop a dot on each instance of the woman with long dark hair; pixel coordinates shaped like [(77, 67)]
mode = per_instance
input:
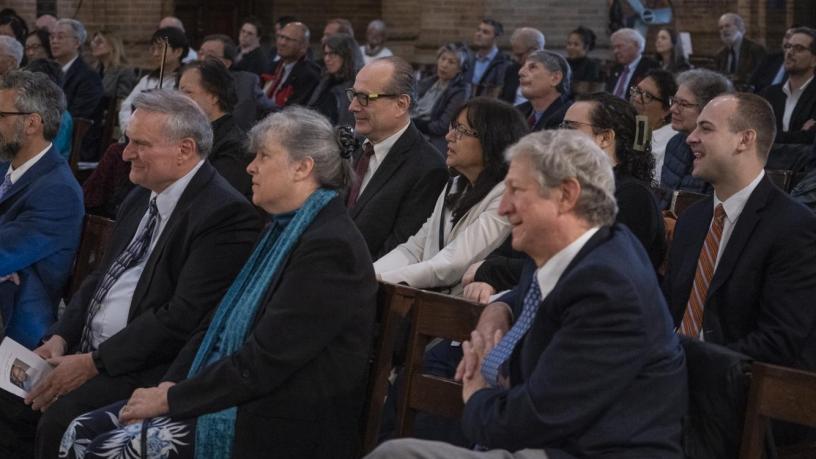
[(343, 60), (465, 225), (670, 51)]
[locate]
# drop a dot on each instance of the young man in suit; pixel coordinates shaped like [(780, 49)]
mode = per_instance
[(794, 101), (180, 238), (398, 173), (739, 57), (631, 65), (41, 207), (742, 269), (580, 359)]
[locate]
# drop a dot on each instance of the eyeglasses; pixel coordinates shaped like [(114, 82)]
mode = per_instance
[(5, 114), (569, 124), (33, 47), (329, 54), (363, 98), (644, 96), (795, 48), (460, 130), (286, 38), (681, 103)]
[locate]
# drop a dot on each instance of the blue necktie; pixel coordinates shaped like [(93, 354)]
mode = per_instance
[(5, 186), (131, 256), (502, 352)]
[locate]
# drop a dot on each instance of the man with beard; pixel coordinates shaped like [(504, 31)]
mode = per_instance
[(41, 207), (739, 57)]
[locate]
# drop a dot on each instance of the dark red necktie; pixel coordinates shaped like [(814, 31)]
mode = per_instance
[(531, 121), (359, 173)]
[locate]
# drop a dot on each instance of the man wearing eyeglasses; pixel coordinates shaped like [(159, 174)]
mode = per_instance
[(398, 174), (294, 76), (40, 206), (794, 101)]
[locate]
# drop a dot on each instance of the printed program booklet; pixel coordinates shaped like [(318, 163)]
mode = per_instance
[(20, 368)]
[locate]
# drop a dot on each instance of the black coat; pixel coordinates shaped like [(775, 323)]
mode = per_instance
[(646, 63), (401, 194), (751, 54), (764, 75), (229, 156), (804, 110), (83, 90), (329, 98), (443, 111), (256, 61), (299, 381), (552, 116), (298, 87)]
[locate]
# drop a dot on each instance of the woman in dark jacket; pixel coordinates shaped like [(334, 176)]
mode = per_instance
[(343, 60), (439, 97), (281, 369), (586, 71)]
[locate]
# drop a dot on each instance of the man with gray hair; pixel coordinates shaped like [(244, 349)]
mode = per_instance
[(524, 41), (11, 54), (375, 42), (739, 57), (572, 332), (180, 238), (630, 64), (544, 80), (82, 85)]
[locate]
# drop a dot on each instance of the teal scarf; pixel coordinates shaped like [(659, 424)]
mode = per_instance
[(228, 331)]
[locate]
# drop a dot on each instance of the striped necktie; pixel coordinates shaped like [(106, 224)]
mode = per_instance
[(5, 186), (693, 317)]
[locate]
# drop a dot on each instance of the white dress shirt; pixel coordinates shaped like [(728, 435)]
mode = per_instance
[(733, 207), (16, 174), (381, 150), (115, 308), (69, 64)]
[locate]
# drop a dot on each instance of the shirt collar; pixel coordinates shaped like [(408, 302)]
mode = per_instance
[(489, 56), (166, 200), (16, 174), (787, 90), (382, 148), (69, 64), (549, 273), (733, 205), (633, 65)]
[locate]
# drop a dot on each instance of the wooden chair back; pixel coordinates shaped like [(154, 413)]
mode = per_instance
[(111, 121), (778, 393), (394, 303), (433, 316), (81, 127), (681, 200), (781, 178), (92, 246)]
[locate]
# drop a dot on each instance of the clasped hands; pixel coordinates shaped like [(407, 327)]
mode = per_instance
[(474, 353), (70, 372)]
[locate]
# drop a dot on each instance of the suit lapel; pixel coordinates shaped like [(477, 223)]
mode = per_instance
[(199, 181), (393, 160), (43, 166), (801, 113)]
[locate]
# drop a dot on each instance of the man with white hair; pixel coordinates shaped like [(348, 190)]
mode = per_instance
[(46, 22), (631, 65), (563, 365), (739, 57), (524, 41), (375, 42), (11, 54), (82, 85)]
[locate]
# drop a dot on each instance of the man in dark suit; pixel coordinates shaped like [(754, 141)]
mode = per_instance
[(794, 101), (398, 173), (487, 70), (590, 367), (295, 75), (772, 69), (745, 277), (252, 58), (544, 80), (40, 206), (631, 65), (739, 57), (179, 239)]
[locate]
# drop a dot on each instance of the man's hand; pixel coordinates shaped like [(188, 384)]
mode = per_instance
[(809, 124), (13, 278), (474, 353), (495, 317), (71, 372), (146, 403), (470, 273), (54, 347), (479, 292)]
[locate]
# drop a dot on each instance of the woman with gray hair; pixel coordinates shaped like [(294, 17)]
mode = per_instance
[(545, 80), (282, 366), (441, 95)]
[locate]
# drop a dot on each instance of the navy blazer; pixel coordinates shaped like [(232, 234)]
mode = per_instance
[(401, 194), (600, 373), (759, 301), (83, 90), (552, 116), (40, 225)]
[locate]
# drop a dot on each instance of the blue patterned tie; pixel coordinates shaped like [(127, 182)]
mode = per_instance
[(126, 260), (4, 187), (499, 354)]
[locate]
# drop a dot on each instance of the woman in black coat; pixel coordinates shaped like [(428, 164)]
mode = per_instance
[(439, 97), (343, 60), (281, 369)]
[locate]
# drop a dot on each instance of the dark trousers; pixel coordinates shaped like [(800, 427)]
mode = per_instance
[(18, 423)]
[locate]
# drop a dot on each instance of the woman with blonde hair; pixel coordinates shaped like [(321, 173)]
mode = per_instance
[(111, 64)]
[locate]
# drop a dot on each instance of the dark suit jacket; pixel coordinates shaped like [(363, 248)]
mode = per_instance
[(229, 156), (493, 77), (299, 380), (765, 73), (256, 62), (751, 55), (203, 245), (756, 303), (646, 63), (804, 110), (252, 104), (298, 87), (511, 83), (600, 373), (40, 225), (83, 90), (401, 194), (443, 111), (552, 116)]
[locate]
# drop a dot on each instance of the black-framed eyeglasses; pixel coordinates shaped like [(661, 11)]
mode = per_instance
[(644, 96), (569, 124), (5, 114), (460, 130), (795, 48), (681, 103), (363, 98)]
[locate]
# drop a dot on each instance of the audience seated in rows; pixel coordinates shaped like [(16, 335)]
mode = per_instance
[(651, 98), (630, 63), (565, 365), (180, 238), (342, 59), (544, 80), (465, 225)]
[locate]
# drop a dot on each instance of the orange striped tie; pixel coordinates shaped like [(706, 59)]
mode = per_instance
[(693, 317)]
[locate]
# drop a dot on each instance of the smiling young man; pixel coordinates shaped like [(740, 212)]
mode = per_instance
[(742, 269)]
